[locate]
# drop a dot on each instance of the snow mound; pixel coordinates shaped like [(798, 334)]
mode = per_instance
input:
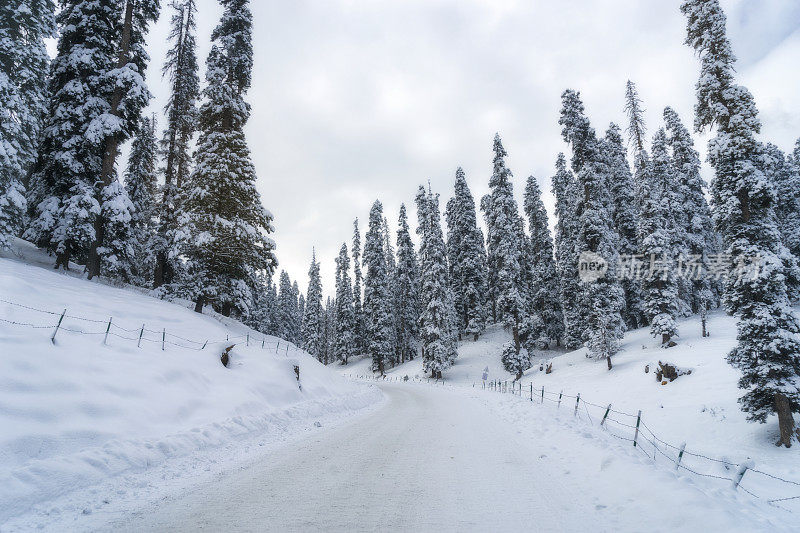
[(77, 411)]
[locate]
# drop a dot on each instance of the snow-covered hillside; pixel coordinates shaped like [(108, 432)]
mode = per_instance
[(699, 409), (78, 411)]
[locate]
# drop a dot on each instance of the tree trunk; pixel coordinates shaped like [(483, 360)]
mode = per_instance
[(664, 339), (475, 338), (198, 304), (112, 143), (158, 273), (608, 360), (785, 421), (62, 260), (226, 309), (515, 330)]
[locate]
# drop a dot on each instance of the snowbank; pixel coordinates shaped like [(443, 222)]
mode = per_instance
[(77, 411), (699, 409)]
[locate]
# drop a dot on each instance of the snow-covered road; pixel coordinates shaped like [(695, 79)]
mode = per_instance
[(425, 462), (449, 460)]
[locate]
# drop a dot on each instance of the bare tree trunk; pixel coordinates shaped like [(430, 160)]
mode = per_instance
[(62, 260), (785, 421), (608, 360), (198, 304), (112, 144)]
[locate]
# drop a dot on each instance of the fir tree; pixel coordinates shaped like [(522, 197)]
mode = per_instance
[(602, 300), (111, 248), (467, 259), (543, 299), (181, 111), (24, 25), (565, 190), (313, 314), (377, 294), (768, 350), (357, 284), (436, 322), (344, 343), (226, 241), (698, 235), (70, 161), (141, 182), (391, 275), (406, 291), (785, 177), (286, 316), (621, 190), (657, 236), (506, 246)]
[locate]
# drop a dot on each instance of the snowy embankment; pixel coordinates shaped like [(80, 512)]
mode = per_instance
[(699, 409), (79, 411)]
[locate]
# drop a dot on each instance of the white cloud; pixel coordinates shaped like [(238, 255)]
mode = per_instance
[(358, 100)]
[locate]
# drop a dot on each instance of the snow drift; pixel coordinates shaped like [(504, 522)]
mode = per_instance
[(77, 411)]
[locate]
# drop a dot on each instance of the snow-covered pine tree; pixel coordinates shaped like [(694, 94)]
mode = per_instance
[(313, 314), (227, 228), (24, 25), (437, 329), (467, 259), (636, 137), (181, 112), (259, 317), (285, 325), (657, 228), (377, 294), (698, 235), (111, 248), (543, 296), (328, 335), (141, 183), (344, 343), (299, 310), (391, 267), (564, 187), (601, 301), (357, 295), (768, 350), (505, 246), (406, 291), (65, 202), (621, 190), (785, 177)]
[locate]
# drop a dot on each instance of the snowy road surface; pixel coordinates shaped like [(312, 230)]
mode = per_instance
[(434, 460)]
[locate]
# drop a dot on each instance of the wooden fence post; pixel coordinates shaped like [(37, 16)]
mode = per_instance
[(139, 343), (638, 420), (542, 393), (680, 456), (108, 327), (163, 338), (605, 415), (559, 398), (53, 338), (577, 401)]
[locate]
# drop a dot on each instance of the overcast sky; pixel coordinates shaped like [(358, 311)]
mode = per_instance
[(361, 100)]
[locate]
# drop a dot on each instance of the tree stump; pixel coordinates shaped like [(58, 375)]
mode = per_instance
[(225, 358)]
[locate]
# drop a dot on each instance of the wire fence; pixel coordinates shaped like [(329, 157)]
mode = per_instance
[(71, 323), (631, 428)]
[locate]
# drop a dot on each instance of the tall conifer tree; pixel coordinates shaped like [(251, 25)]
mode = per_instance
[(344, 343), (314, 314), (406, 291), (438, 332), (467, 258), (377, 294), (602, 300), (141, 183), (24, 26), (182, 69), (543, 302), (226, 224), (768, 350)]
